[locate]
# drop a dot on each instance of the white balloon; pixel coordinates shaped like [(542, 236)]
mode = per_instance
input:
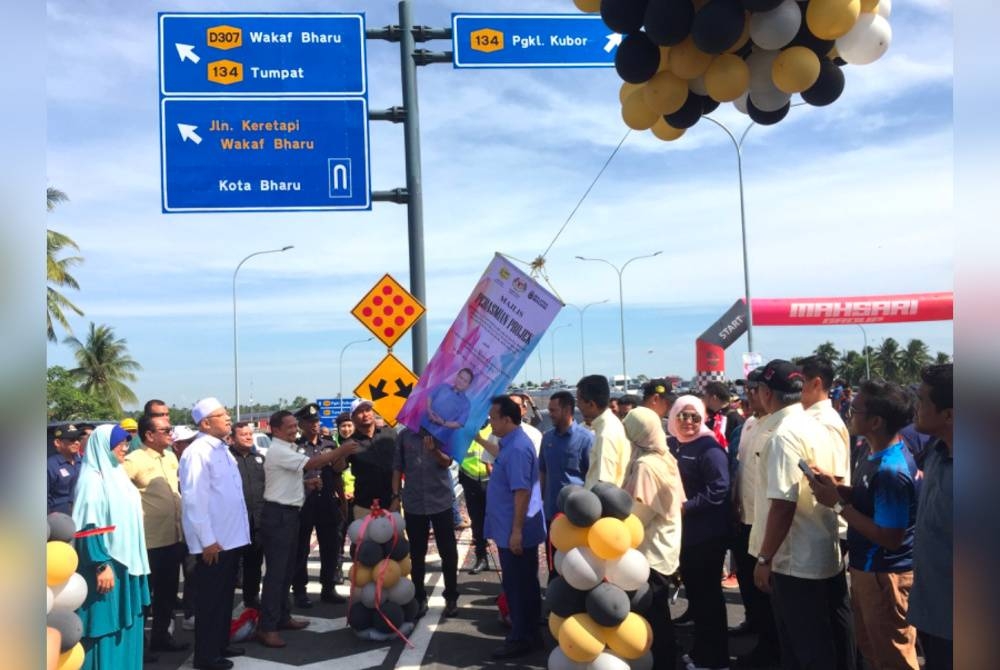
[(398, 522), (644, 662), (769, 99), (69, 595), (401, 592), (582, 569), (379, 530), (48, 599), (608, 661), (867, 41), (558, 559), (368, 595), (558, 660), (884, 8), (354, 531), (775, 28), (760, 62), (697, 85), (628, 572), (740, 103)]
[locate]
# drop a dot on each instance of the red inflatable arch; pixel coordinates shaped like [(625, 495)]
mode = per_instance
[(710, 347)]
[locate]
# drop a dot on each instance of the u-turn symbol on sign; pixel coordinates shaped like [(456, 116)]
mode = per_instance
[(340, 177)]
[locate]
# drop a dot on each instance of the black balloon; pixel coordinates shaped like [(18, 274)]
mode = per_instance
[(689, 113), (370, 553), (391, 611), (607, 604), (360, 617), (623, 16), (760, 5), (718, 25), (583, 508), (805, 38), (839, 62), (563, 599), (668, 22), (410, 610), (61, 527), (400, 551), (69, 626), (564, 493), (767, 118), (641, 599), (615, 502), (828, 86), (708, 105), (637, 59)]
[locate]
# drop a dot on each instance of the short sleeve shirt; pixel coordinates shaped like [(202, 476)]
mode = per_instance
[(283, 470), (515, 469), (62, 476), (155, 475), (565, 459), (611, 452), (427, 486)]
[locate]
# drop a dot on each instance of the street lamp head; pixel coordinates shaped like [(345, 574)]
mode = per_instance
[(290, 246)]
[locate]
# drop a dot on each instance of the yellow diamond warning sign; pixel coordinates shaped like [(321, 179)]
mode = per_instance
[(388, 310), (387, 386)]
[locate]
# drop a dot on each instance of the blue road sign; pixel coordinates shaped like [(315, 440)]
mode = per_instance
[(532, 40), (262, 54), (260, 154), (329, 408)]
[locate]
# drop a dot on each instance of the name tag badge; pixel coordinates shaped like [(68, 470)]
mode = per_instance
[(260, 460), (64, 472)]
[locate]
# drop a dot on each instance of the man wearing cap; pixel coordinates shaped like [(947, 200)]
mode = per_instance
[(793, 536), (251, 465), (63, 469), (612, 451), (132, 428), (214, 517), (321, 510), (370, 451), (657, 397)]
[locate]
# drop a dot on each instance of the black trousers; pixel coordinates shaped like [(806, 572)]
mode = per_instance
[(664, 641), (251, 562), (164, 577), (279, 532), (475, 503), (938, 651), (418, 529), (325, 518), (813, 616), (215, 587), (757, 604), (519, 579), (701, 570)]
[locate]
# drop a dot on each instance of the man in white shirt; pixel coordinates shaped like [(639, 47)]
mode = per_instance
[(491, 446), (794, 537), (214, 516), (284, 494), (612, 451)]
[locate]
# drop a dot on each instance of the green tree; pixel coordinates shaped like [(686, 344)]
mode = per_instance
[(104, 366), (299, 402), (915, 357), (887, 360), (829, 352), (942, 358), (66, 402), (851, 366), (57, 271)]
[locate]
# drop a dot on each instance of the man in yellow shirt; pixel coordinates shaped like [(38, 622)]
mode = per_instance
[(612, 451)]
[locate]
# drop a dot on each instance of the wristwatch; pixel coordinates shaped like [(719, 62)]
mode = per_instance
[(763, 560), (839, 507)]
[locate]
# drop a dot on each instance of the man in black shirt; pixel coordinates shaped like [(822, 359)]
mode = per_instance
[(251, 465), (370, 454)]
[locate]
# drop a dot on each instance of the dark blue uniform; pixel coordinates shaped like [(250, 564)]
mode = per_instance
[(62, 476)]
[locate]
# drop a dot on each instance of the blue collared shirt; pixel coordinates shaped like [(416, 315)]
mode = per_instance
[(450, 405), (62, 476), (515, 469), (565, 459)]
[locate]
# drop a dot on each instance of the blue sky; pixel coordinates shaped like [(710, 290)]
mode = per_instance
[(851, 199)]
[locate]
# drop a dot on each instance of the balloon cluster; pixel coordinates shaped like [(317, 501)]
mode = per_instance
[(382, 595), (680, 59), (596, 605), (65, 591)]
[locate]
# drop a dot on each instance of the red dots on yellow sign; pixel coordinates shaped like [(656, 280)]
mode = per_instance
[(388, 310)]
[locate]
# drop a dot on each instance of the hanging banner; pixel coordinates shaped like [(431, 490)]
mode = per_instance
[(494, 334), (852, 310)]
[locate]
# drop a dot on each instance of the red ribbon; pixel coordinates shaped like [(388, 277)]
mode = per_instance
[(94, 531)]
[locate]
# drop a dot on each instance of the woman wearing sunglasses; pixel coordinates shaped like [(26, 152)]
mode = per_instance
[(704, 470)]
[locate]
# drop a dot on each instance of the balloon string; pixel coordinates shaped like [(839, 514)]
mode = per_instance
[(94, 531)]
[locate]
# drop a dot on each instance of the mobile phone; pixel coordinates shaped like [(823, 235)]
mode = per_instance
[(806, 470)]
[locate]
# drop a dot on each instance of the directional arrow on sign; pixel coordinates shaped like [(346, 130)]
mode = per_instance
[(378, 392), (186, 52), (402, 389), (187, 132), (614, 40)]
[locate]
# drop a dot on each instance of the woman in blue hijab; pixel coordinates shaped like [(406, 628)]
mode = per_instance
[(114, 563)]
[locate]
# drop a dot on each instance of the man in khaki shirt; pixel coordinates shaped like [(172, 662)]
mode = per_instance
[(611, 453), (153, 470)]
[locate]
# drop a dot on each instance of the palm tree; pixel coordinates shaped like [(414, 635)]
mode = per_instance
[(104, 366), (915, 357), (829, 352), (942, 358), (851, 367), (888, 360), (57, 271)]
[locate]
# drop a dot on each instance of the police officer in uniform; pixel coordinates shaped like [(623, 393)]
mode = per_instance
[(324, 489), (63, 468)]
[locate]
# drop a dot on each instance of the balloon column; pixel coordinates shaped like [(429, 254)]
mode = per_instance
[(596, 605), (65, 591), (680, 59), (382, 602)]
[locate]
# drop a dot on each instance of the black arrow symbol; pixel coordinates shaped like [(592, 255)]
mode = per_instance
[(378, 392), (402, 390)]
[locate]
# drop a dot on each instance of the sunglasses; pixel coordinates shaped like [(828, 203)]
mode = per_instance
[(693, 417)]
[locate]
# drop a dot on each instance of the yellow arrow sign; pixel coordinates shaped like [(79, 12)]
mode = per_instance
[(387, 386)]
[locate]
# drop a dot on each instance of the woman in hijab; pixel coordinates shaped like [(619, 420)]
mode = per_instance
[(704, 470), (113, 563), (654, 482)]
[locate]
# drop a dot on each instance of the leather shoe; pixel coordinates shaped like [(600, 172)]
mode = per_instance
[(481, 564), (303, 601), (168, 644), (332, 596), (271, 639), (229, 652), (512, 650), (217, 664), (450, 607), (293, 624)]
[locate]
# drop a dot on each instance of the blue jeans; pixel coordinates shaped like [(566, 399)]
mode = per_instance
[(524, 594)]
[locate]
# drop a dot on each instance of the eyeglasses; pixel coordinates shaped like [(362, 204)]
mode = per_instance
[(852, 410), (693, 417), (165, 431)]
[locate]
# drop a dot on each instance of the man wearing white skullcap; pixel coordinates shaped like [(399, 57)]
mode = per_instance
[(214, 516)]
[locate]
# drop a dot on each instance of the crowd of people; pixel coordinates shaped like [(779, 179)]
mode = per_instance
[(834, 505)]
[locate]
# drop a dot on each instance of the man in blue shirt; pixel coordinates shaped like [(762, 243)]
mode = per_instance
[(448, 407), (514, 521), (565, 454), (63, 469)]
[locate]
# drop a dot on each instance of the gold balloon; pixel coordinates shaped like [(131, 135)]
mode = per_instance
[(744, 36), (360, 574), (626, 90), (632, 522), (608, 538), (61, 560), (563, 534), (405, 565), (555, 623), (588, 6), (688, 61), (665, 131), (665, 93), (631, 638), (727, 78), (869, 6), (581, 639), (830, 19), (388, 572), (795, 69), (637, 116), (72, 659), (664, 59)]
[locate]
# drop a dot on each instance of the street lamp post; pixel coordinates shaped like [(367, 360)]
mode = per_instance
[(236, 351), (340, 365), (553, 336), (621, 302), (868, 367), (581, 310)]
